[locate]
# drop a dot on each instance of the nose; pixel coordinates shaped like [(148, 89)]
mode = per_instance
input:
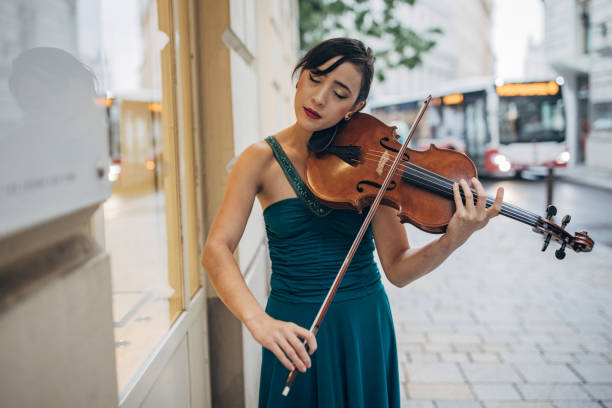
[(319, 97)]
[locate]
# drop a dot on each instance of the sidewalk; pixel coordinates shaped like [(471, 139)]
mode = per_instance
[(581, 174), (502, 325)]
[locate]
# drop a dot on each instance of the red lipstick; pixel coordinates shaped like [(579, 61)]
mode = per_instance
[(311, 113)]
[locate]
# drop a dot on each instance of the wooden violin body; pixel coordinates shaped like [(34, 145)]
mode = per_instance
[(420, 189), (341, 185)]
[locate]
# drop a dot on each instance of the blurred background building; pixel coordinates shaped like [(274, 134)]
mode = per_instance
[(463, 51), (577, 45)]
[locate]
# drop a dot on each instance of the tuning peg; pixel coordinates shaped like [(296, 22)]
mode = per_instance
[(551, 211), (560, 253), (565, 221), (546, 242)]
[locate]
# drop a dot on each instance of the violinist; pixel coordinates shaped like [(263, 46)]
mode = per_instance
[(353, 359)]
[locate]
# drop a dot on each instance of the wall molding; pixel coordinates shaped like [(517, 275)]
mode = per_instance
[(233, 42)]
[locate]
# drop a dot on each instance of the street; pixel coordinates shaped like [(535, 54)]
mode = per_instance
[(502, 324)]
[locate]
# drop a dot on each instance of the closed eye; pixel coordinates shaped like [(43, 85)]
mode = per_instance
[(317, 81)]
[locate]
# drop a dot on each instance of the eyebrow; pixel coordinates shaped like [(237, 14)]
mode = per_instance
[(335, 81), (344, 86)]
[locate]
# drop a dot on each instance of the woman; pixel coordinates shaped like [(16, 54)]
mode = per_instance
[(356, 362)]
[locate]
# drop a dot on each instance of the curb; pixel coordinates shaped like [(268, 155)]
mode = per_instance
[(607, 186)]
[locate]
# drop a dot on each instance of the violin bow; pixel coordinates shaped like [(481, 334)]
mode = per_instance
[(349, 257)]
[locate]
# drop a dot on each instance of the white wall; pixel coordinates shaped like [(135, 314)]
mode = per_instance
[(263, 51)]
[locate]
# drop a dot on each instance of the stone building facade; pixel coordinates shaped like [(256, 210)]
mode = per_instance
[(578, 46)]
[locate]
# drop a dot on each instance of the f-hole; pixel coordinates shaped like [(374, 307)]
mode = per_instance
[(390, 187), (386, 139)]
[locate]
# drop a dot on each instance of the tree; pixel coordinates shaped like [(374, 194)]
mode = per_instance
[(373, 22)]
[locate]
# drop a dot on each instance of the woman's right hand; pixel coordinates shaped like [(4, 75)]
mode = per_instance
[(283, 339)]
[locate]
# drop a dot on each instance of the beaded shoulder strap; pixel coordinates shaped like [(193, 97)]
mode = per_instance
[(300, 188)]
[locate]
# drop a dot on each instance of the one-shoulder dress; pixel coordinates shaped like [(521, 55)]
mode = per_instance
[(355, 364)]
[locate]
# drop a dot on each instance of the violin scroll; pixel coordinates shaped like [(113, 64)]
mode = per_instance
[(580, 242)]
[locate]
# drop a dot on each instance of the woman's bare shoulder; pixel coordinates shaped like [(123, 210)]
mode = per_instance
[(257, 155)]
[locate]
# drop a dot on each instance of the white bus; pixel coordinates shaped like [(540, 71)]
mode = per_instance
[(506, 128)]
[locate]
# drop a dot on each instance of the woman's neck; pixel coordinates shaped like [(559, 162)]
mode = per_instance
[(296, 137)]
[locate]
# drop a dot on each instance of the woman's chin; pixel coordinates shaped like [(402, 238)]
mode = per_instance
[(312, 125)]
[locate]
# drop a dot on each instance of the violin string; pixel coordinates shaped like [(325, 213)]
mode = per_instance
[(506, 210), (444, 185)]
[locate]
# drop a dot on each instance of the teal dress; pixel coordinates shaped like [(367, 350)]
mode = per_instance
[(355, 364)]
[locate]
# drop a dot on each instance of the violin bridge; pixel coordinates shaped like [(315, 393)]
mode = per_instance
[(384, 159)]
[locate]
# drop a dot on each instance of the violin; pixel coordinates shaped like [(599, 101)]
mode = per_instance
[(422, 187)]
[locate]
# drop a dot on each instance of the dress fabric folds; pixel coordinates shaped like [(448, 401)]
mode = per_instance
[(355, 364)]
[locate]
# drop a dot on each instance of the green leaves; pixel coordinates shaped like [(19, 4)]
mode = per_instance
[(394, 44)]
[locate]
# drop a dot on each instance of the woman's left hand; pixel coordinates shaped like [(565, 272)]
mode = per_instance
[(468, 217)]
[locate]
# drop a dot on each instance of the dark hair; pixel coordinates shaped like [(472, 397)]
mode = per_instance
[(350, 50)]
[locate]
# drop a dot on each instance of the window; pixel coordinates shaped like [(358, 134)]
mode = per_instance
[(141, 218)]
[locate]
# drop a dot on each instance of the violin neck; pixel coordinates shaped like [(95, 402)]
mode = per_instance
[(443, 186)]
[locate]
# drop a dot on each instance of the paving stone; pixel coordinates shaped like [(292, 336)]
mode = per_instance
[(600, 373), (591, 358), (439, 391), (599, 391), (413, 316), (546, 373), (478, 372), (524, 348), (495, 347), (413, 337), (497, 337), (454, 357), (560, 348), (433, 373), (423, 357), (470, 328), (517, 404), (403, 396), (466, 347), (458, 404), (404, 346), (417, 404), (522, 357), (419, 327), (484, 358), (454, 338), (491, 392), (559, 357), (536, 337), (437, 347), (576, 404), (452, 317), (552, 391), (598, 347), (586, 338)]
